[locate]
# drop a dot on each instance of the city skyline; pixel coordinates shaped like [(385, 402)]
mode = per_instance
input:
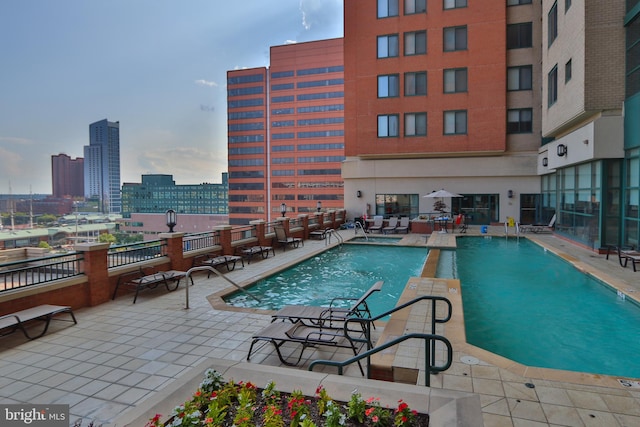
[(158, 68)]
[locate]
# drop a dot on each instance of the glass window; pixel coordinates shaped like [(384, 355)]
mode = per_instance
[(388, 126), (388, 46), (455, 122), (397, 205), (388, 86), (415, 43), (552, 23), (414, 6), (567, 5), (454, 4), (387, 8), (455, 38), (415, 83), (567, 71), (552, 88), (519, 120), (519, 78), (517, 2), (519, 35), (455, 80), (415, 124)]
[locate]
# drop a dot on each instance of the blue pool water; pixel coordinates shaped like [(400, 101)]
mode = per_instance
[(529, 305), (376, 239), (346, 271)]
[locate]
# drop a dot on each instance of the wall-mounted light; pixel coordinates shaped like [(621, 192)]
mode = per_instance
[(562, 150), (172, 219), (283, 209), (545, 161), (358, 193), (510, 194), (319, 206)]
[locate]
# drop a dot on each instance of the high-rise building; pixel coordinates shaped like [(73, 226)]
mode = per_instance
[(286, 132), (67, 176), (102, 165)]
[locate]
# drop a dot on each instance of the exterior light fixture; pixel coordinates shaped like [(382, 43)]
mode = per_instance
[(562, 150), (319, 206), (283, 209), (172, 218), (510, 194), (545, 161), (358, 194)]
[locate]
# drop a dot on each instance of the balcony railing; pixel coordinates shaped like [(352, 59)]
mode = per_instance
[(242, 233), (197, 241), (29, 272), (136, 252)]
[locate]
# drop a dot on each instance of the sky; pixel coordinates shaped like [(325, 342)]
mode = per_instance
[(156, 66)]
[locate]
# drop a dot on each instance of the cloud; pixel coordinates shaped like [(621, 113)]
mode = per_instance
[(11, 164), (188, 165), (290, 42), (203, 82), (319, 13), (12, 140)]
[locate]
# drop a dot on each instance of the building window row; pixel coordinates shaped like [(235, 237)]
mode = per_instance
[(327, 146), (282, 74), (240, 115), (321, 70), (246, 174), (321, 108), (251, 78), (321, 159), (322, 95), (246, 162), (520, 78), (415, 124), (322, 121), (415, 42), (277, 99), (283, 86), (282, 123), (321, 134), (517, 2), (318, 83), (520, 36), (415, 83), (246, 150), (278, 111), (244, 91), (241, 103), (320, 171), (391, 8), (245, 139), (520, 120), (239, 127), (280, 148)]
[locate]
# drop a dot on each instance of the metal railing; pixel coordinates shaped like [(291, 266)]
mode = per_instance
[(242, 233), (196, 241), (29, 272), (135, 252), (431, 338)]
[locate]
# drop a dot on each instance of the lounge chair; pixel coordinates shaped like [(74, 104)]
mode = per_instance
[(403, 227), (284, 239), (327, 316), (626, 255), (279, 333), (391, 227), (377, 224), (539, 228), (12, 322)]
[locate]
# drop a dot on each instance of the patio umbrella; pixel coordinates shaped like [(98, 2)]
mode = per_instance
[(443, 194)]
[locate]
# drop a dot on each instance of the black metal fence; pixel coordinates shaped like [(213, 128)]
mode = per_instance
[(136, 252), (29, 272)]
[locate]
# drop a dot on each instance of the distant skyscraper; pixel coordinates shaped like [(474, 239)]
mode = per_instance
[(102, 165), (67, 176)]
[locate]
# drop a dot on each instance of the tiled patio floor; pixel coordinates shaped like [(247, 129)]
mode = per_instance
[(120, 355)]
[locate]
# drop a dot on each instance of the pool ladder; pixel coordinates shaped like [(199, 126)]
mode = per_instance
[(359, 224), (333, 232)]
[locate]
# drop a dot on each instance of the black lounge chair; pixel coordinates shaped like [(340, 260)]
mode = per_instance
[(10, 323)]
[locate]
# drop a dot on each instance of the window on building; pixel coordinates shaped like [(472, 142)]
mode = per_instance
[(455, 38), (455, 122), (415, 83), (454, 4), (388, 86), (415, 43), (517, 2), (519, 120), (387, 8), (414, 6), (455, 80), (552, 86), (567, 5), (552, 23), (567, 71), (519, 78), (519, 35), (388, 125), (415, 124), (388, 46)]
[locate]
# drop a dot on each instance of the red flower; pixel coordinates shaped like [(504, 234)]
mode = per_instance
[(368, 411)]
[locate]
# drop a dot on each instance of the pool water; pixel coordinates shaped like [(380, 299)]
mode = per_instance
[(347, 271), (376, 239), (529, 305)]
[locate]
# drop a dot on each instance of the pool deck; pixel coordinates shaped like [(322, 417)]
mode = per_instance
[(122, 358)]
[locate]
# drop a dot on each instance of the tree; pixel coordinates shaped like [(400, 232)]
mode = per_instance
[(440, 206), (107, 238)]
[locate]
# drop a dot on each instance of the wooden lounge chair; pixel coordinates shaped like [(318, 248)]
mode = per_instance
[(284, 239), (377, 224), (10, 323), (279, 333), (403, 227), (328, 316), (391, 227)]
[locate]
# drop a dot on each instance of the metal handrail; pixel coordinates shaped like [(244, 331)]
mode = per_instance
[(429, 345), (331, 232), (212, 270), (357, 223)]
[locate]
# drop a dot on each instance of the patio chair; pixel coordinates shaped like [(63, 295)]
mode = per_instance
[(327, 316), (279, 333), (284, 239), (461, 224), (626, 255), (377, 224), (403, 227), (391, 227)]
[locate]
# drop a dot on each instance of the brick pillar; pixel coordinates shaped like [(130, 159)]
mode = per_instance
[(320, 219), (97, 272), (261, 232), (304, 222), (225, 239), (175, 252)]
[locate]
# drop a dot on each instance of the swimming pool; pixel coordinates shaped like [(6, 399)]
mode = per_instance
[(376, 239), (529, 305), (344, 271)]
